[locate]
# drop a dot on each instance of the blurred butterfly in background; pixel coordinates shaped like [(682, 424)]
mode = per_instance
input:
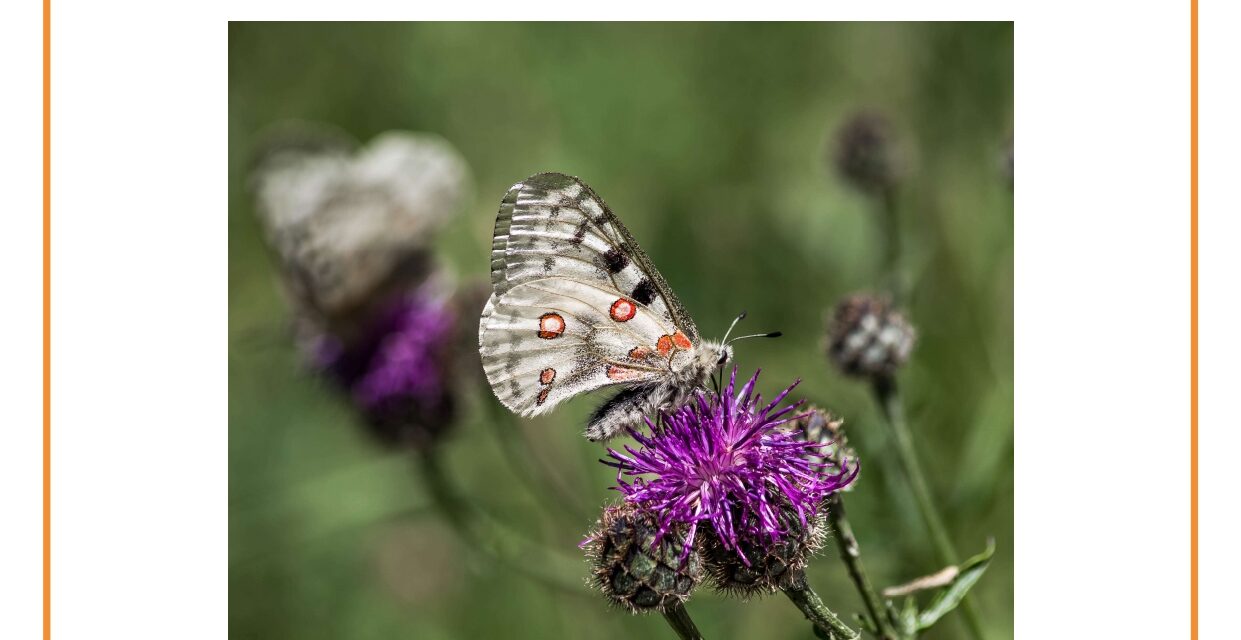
[(576, 305), (350, 222)]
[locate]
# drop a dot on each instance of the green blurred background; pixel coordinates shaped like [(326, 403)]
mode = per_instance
[(711, 142)]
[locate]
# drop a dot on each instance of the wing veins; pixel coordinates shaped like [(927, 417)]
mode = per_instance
[(526, 214), (637, 336), (658, 318), (523, 352), (558, 256), (579, 339), (603, 361)]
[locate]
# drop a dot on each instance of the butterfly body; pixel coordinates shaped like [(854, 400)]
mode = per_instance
[(576, 306), (632, 405)]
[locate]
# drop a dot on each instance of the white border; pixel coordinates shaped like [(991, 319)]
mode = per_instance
[(139, 322), (21, 322), (1220, 307), (1102, 294), (1102, 321)]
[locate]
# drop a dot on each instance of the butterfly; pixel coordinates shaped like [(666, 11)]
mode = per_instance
[(349, 221), (576, 306)]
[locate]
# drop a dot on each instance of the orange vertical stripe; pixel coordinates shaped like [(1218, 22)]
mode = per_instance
[(47, 319), (1193, 319)]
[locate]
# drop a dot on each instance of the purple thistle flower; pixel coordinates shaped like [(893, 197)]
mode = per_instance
[(397, 370), (724, 459)]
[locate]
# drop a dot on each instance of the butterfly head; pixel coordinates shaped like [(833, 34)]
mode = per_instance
[(712, 356), (709, 357)]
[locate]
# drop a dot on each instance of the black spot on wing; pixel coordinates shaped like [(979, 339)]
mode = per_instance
[(644, 292), (579, 234), (615, 260)]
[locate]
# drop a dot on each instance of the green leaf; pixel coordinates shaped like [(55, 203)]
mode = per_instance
[(951, 595)]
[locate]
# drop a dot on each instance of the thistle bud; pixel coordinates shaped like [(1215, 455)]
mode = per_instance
[(868, 338), (635, 571), (865, 154), (820, 427), (759, 566)]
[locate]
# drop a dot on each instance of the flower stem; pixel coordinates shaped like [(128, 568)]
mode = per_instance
[(476, 535), (826, 624), (538, 478), (678, 618), (888, 396), (890, 211), (851, 555)]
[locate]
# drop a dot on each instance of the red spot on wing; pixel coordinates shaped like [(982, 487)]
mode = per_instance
[(667, 343), (639, 353), (543, 395), (551, 325), (547, 375), (623, 310), (622, 373)]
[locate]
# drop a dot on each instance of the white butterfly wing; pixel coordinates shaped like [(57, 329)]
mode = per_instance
[(576, 305), (343, 222)]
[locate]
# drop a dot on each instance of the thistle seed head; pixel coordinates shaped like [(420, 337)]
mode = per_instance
[(867, 338), (763, 566), (634, 567), (820, 427), (866, 155)]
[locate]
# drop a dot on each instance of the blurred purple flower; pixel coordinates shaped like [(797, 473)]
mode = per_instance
[(725, 460), (397, 371)]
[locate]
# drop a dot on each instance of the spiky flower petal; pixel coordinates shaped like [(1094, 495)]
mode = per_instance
[(726, 461)]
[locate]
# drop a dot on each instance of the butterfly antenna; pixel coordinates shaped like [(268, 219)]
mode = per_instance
[(773, 334), (739, 318)]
